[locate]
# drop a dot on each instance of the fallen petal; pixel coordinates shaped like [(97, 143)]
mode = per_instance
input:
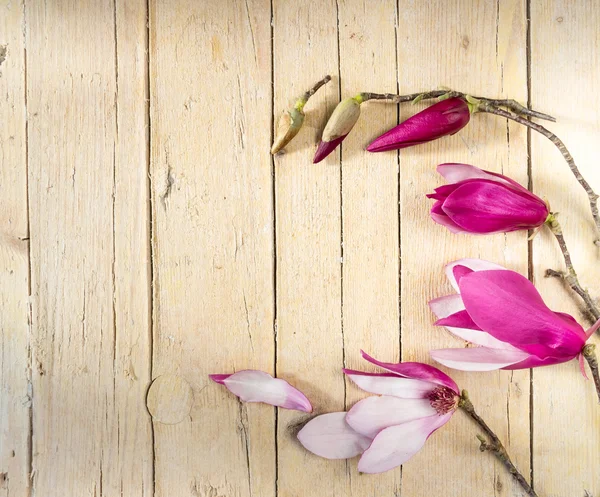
[(477, 358), (415, 370), (373, 414), (258, 386), (331, 437), (391, 384), (397, 444)]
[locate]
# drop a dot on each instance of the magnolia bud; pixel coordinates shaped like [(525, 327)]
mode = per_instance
[(340, 123), (291, 121)]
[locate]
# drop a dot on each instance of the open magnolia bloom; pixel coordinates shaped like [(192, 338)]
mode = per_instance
[(481, 202), (502, 313), (416, 399)]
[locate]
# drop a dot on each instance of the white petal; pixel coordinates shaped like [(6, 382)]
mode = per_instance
[(397, 444), (473, 264), (478, 358), (443, 307), (373, 414), (331, 437), (391, 384)]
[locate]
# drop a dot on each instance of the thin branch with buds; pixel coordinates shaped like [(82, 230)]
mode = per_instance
[(558, 143), (494, 445)]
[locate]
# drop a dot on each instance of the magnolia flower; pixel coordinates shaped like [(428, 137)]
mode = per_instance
[(416, 399), (502, 313), (340, 123), (258, 386), (443, 118), (482, 202)]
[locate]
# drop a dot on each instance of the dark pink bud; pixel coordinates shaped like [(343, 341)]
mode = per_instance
[(325, 148), (441, 119), (482, 202)]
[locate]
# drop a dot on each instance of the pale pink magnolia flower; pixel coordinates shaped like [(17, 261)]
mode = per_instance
[(257, 386), (416, 400), (502, 313)]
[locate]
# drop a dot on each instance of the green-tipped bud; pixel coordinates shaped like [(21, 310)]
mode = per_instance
[(288, 126), (291, 121), (343, 119)]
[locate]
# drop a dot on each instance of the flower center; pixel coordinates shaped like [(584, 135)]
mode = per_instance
[(443, 400)]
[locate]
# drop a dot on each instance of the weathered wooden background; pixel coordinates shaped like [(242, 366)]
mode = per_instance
[(146, 231)]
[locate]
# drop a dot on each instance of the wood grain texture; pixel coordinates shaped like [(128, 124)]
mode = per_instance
[(484, 52), (89, 223), (166, 243), (15, 391), (212, 239), (564, 41), (370, 277)]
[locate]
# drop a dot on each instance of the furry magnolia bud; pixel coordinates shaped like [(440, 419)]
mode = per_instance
[(292, 120), (340, 123)]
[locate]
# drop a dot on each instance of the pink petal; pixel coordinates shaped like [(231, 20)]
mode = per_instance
[(445, 306), (397, 444), (373, 414), (455, 173), (219, 378), (440, 217), (391, 384), (473, 264), (593, 329), (325, 148), (331, 437), (535, 362), (415, 370), (258, 386), (507, 306), (486, 207), (477, 358), (461, 325)]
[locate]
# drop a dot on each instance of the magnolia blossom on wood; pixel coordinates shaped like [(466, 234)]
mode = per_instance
[(415, 400), (502, 313), (482, 202)]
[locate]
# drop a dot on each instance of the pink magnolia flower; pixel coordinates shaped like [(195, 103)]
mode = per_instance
[(502, 313), (416, 399), (482, 202), (443, 118), (257, 386)]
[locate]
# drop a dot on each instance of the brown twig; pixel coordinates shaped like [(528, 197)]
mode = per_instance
[(494, 445), (513, 105), (570, 276), (592, 196), (589, 353), (314, 89)]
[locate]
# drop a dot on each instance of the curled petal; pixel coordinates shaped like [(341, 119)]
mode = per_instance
[(473, 264), (593, 329), (258, 386), (455, 173), (391, 384), (478, 358), (508, 307), (397, 444), (373, 414), (415, 370), (331, 437)]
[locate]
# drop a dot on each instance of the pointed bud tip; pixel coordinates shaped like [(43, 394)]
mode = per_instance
[(325, 148)]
